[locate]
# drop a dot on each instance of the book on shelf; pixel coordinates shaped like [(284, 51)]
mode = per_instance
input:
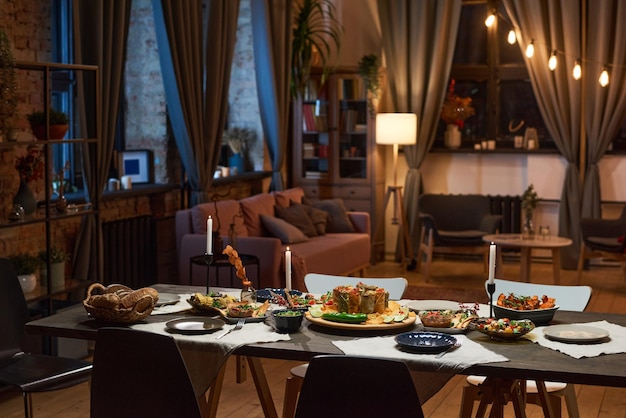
[(315, 175), (308, 116)]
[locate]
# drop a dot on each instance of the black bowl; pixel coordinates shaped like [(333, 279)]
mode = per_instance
[(288, 320), (538, 316)]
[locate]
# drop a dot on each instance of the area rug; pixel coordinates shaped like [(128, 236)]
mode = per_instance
[(445, 293)]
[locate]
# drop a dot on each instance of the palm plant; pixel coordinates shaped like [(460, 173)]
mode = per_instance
[(315, 29)]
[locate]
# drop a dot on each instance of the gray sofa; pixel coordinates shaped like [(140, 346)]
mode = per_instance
[(341, 253)]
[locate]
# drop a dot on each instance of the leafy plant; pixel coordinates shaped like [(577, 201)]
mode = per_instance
[(56, 255), (529, 199), (31, 165), (24, 263), (369, 67), (57, 117), (315, 28), (8, 83), (238, 138)]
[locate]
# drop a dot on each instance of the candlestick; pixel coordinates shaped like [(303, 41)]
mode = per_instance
[(288, 269), (208, 259), (209, 235), (491, 288), (492, 263)]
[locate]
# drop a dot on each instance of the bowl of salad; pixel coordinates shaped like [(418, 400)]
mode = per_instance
[(288, 320), (503, 328)]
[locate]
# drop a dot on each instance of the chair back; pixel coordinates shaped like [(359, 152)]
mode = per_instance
[(370, 387), (568, 298), (321, 283), (140, 374), (13, 310)]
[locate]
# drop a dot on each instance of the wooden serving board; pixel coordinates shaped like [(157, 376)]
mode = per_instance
[(410, 320)]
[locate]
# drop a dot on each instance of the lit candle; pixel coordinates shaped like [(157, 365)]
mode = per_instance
[(492, 262), (288, 269), (209, 236)]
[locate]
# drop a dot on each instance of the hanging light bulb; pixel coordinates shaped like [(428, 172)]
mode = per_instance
[(530, 49), (604, 77), (552, 61), (577, 71), (511, 38), (490, 20)]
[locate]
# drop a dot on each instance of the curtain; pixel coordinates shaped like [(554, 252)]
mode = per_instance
[(556, 25), (271, 36), (196, 68), (100, 33), (606, 43), (418, 42)]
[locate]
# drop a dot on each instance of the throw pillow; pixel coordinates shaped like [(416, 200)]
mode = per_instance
[(318, 217), (338, 220), (281, 229), (297, 216)]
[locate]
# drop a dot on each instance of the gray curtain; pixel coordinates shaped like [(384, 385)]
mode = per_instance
[(196, 68), (418, 42), (556, 25), (100, 33), (604, 107), (271, 30)]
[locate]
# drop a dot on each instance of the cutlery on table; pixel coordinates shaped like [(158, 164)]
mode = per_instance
[(456, 345), (237, 327)]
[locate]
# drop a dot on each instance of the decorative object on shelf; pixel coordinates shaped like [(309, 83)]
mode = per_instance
[(369, 70), (25, 266), (237, 140), (61, 201), (59, 124), (529, 204), (454, 112), (58, 258), (8, 86), (17, 213), (30, 168), (316, 29), (248, 293), (531, 139)]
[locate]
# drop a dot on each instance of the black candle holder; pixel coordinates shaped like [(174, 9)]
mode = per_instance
[(208, 259), (491, 289)]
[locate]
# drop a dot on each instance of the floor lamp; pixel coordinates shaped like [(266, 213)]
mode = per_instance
[(396, 129)]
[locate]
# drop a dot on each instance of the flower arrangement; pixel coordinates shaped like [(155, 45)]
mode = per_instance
[(529, 200), (237, 138), (456, 109), (30, 166)]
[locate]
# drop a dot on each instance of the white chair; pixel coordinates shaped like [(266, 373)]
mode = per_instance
[(319, 284), (568, 298)]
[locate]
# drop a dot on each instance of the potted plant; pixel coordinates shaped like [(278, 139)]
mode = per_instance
[(237, 140), (529, 204), (369, 70), (58, 120), (25, 266), (315, 29), (58, 257), (8, 85)]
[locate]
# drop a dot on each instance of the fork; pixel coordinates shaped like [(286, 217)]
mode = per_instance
[(237, 327), (456, 345)]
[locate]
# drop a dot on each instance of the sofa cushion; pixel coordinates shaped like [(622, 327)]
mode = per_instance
[(338, 220), (252, 208), (283, 230), (318, 217), (227, 211), (297, 216), (284, 197)]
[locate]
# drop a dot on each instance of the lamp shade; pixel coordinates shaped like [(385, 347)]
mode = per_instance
[(396, 128)]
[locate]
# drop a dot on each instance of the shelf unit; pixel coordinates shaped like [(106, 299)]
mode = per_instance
[(335, 153), (43, 77)]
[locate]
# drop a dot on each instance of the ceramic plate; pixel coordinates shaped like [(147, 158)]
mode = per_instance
[(425, 342), (264, 294), (167, 299), (410, 320), (431, 305), (538, 316), (575, 333), (195, 325), (248, 319)]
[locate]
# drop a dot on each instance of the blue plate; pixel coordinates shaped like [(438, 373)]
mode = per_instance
[(264, 294), (425, 342)]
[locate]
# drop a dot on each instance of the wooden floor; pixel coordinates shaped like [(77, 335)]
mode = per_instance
[(240, 400)]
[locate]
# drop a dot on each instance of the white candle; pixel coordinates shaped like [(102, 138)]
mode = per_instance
[(209, 235), (492, 262), (288, 269)]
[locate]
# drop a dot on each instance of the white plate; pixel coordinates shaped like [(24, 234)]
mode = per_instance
[(195, 325), (432, 305), (167, 299), (575, 333)]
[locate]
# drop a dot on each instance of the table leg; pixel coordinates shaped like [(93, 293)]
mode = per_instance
[(525, 264), (262, 388), (545, 402), (212, 397), (556, 265)]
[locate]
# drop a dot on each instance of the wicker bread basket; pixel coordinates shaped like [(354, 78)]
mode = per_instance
[(105, 303)]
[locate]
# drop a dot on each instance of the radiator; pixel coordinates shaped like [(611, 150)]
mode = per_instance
[(129, 251), (510, 207)]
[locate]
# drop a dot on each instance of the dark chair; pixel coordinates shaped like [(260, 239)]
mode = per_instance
[(140, 374), (29, 372), (453, 224), (342, 386), (603, 238)]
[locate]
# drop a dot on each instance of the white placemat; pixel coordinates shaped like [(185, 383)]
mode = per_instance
[(616, 343), (461, 358)]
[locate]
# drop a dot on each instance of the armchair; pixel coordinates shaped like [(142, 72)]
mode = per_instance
[(452, 224), (603, 238)]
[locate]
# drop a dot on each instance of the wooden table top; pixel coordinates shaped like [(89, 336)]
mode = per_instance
[(516, 240)]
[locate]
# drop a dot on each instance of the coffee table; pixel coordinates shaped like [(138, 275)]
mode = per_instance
[(526, 246)]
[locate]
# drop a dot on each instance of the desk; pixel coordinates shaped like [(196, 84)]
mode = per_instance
[(526, 246), (528, 360)]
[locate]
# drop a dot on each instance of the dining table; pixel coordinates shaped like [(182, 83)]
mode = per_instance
[(532, 357)]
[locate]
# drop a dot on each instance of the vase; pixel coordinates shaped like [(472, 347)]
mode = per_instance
[(235, 162), (528, 231), (25, 198), (452, 136), (248, 293), (57, 276), (28, 282)]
